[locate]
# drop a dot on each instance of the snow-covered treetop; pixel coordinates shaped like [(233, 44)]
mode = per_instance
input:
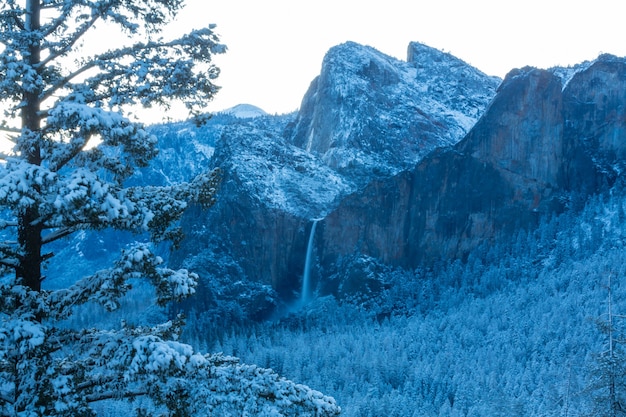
[(64, 107), (147, 70)]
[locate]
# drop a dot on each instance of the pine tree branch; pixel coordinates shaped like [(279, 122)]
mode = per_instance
[(58, 234), (95, 382), (109, 56), (15, 16), (65, 7), (10, 262), (9, 256), (109, 395), (71, 41), (10, 129), (61, 342), (63, 82), (77, 149), (50, 5), (139, 51)]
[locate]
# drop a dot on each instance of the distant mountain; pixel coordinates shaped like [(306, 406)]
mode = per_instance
[(244, 111)]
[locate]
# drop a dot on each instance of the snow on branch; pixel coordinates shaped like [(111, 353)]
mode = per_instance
[(147, 362), (214, 384), (64, 45), (166, 204), (81, 199), (20, 335), (229, 386), (20, 182), (107, 286), (82, 122), (148, 73)]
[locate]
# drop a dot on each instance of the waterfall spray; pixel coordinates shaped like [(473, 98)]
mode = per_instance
[(306, 278)]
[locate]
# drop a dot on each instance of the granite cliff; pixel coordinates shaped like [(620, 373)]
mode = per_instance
[(370, 115), (548, 138)]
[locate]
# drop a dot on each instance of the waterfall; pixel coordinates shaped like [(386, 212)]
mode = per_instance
[(306, 278)]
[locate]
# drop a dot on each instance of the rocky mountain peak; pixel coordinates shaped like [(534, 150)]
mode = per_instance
[(451, 80), (544, 142), (370, 114)]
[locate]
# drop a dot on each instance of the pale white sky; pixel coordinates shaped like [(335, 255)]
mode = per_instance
[(276, 46)]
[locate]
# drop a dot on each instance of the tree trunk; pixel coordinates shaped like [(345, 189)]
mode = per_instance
[(29, 232)]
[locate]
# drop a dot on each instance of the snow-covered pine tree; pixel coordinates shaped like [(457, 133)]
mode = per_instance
[(73, 149), (608, 378)]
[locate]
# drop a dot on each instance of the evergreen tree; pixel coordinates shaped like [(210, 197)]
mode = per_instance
[(609, 377), (73, 150)]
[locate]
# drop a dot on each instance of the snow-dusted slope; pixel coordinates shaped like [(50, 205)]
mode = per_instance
[(280, 175), (447, 86)]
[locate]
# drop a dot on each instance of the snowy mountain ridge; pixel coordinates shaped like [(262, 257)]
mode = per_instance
[(383, 115)]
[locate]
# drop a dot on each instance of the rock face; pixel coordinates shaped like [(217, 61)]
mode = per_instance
[(368, 114), (595, 120), (541, 139), (522, 133)]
